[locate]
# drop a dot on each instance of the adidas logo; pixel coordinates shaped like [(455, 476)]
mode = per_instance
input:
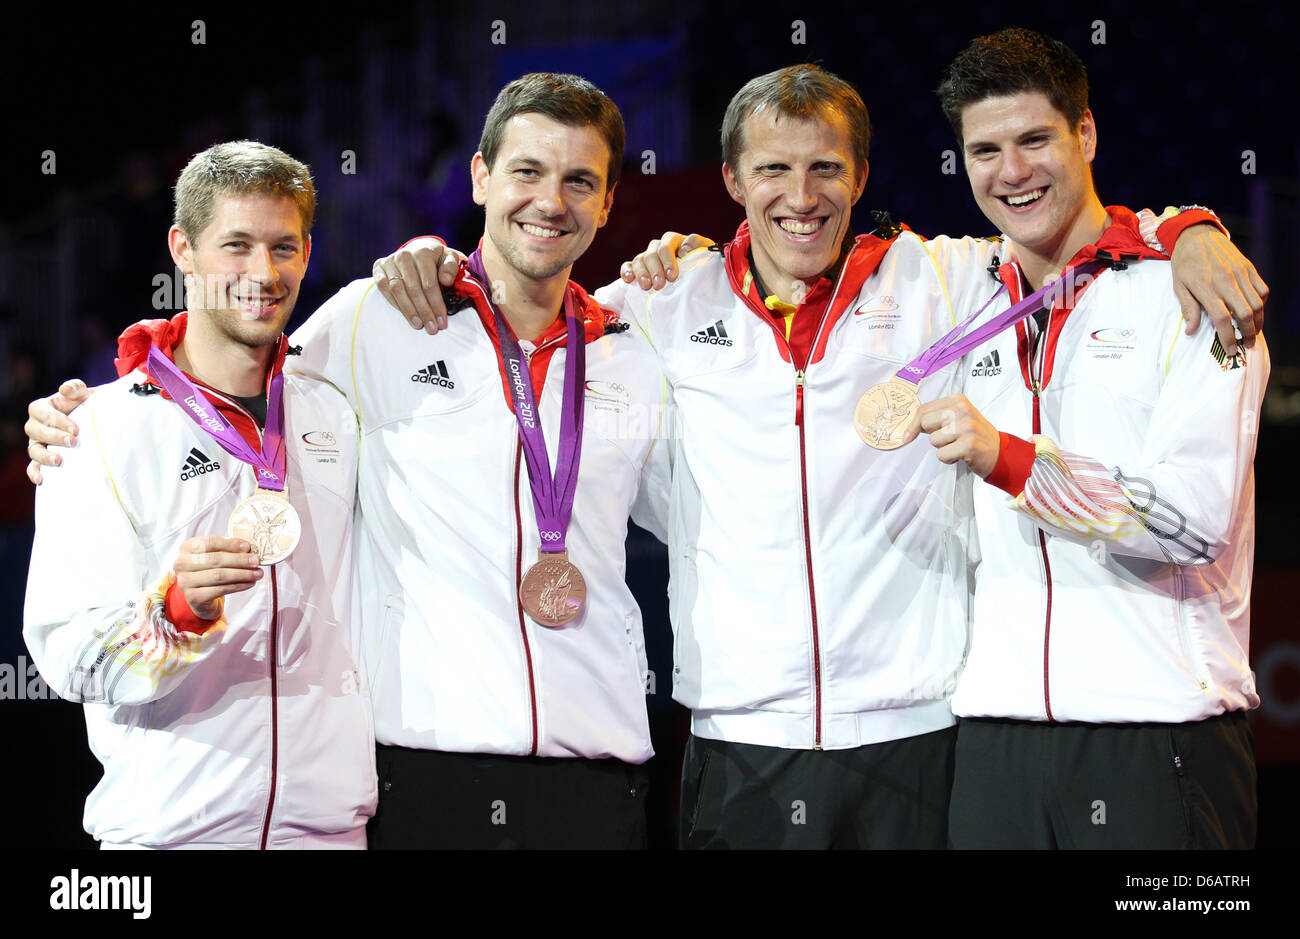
[(715, 335), (991, 364), (435, 374), (196, 464)]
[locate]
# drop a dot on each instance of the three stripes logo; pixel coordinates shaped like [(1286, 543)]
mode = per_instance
[(988, 366), (435, 374), (714, 335), (196, 464)]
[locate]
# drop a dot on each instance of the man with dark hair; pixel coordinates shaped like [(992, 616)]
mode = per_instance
[(213, 637), (500, 462), (819, 589), (1103, 703)]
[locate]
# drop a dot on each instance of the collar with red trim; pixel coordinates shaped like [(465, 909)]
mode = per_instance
[(133, 346), (597, 321), (1119, 243), (851, 269)]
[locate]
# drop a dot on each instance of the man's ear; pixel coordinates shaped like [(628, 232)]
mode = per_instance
[(182, 252), (605, 209), (1088, 135), (733, 188), (479, 172), (862, 182), (306, 251)]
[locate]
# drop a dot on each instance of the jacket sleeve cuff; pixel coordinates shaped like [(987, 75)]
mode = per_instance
[(1170, 229), (418, 237), (1015, 462), (180, 615)]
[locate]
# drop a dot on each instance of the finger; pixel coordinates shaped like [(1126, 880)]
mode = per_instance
[(207, 543), (625, 272), (419, 280), (437, 269), (42, 455), (692, 242), (913, 431), (1190, 306), (951, 453), (201, 598), (1251, 321), (72, 393), (34, 473), (667, 258), (215, 560), (1221, 318), (46, 424), (653, 263), (393, 289), (217, 578), (640, 273)]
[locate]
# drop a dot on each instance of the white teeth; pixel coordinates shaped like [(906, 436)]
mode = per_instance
[(541, 232), (1026, 198), (800, 228)]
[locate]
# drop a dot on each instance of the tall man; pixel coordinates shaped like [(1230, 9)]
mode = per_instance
[(219, 672), (1104, 699), (818, 588)]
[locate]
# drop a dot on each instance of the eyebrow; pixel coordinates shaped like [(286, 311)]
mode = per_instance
[(248, 236), (533, 163), (1040, 129)]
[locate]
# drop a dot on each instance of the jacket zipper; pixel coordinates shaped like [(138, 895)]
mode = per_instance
[(274, 659), (807, 547), (1047, 576)]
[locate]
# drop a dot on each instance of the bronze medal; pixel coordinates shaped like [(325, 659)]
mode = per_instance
[(886, 414), (553, 591), (268, 523)]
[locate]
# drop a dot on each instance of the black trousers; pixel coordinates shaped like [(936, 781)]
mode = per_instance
[(1028, 784), (433, 799), (885, 795)]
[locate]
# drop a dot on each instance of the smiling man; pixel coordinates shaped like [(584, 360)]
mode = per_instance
[(208, 625), (500, 461), (1103, 704)]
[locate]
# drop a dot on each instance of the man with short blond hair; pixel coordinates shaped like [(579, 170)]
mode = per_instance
[(212, 636)]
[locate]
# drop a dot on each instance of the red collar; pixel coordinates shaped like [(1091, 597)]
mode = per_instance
[(594, 317), (1121, 240), (863, 258), (133, 346)]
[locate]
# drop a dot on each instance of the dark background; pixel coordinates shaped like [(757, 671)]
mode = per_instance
[(121, 101)]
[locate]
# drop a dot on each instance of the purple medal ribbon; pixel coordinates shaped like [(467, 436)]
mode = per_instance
[(270, 462), (552, 496), (954, 345)]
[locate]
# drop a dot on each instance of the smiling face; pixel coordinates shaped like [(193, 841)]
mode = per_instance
[(545, 196), (1030, 173), (797, 181), (244, 268)]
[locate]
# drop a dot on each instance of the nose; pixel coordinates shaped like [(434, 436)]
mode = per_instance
[(1014, 167), (549, 199), (802, 194), (261, 266)]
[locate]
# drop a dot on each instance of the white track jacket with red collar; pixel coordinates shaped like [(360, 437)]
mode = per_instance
[(446, 529), (1114, 577), (818, 587)]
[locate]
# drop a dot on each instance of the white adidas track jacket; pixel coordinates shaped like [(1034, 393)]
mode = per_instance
[(256, 733), (818, 587), (447, 528), (1116, 587)]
